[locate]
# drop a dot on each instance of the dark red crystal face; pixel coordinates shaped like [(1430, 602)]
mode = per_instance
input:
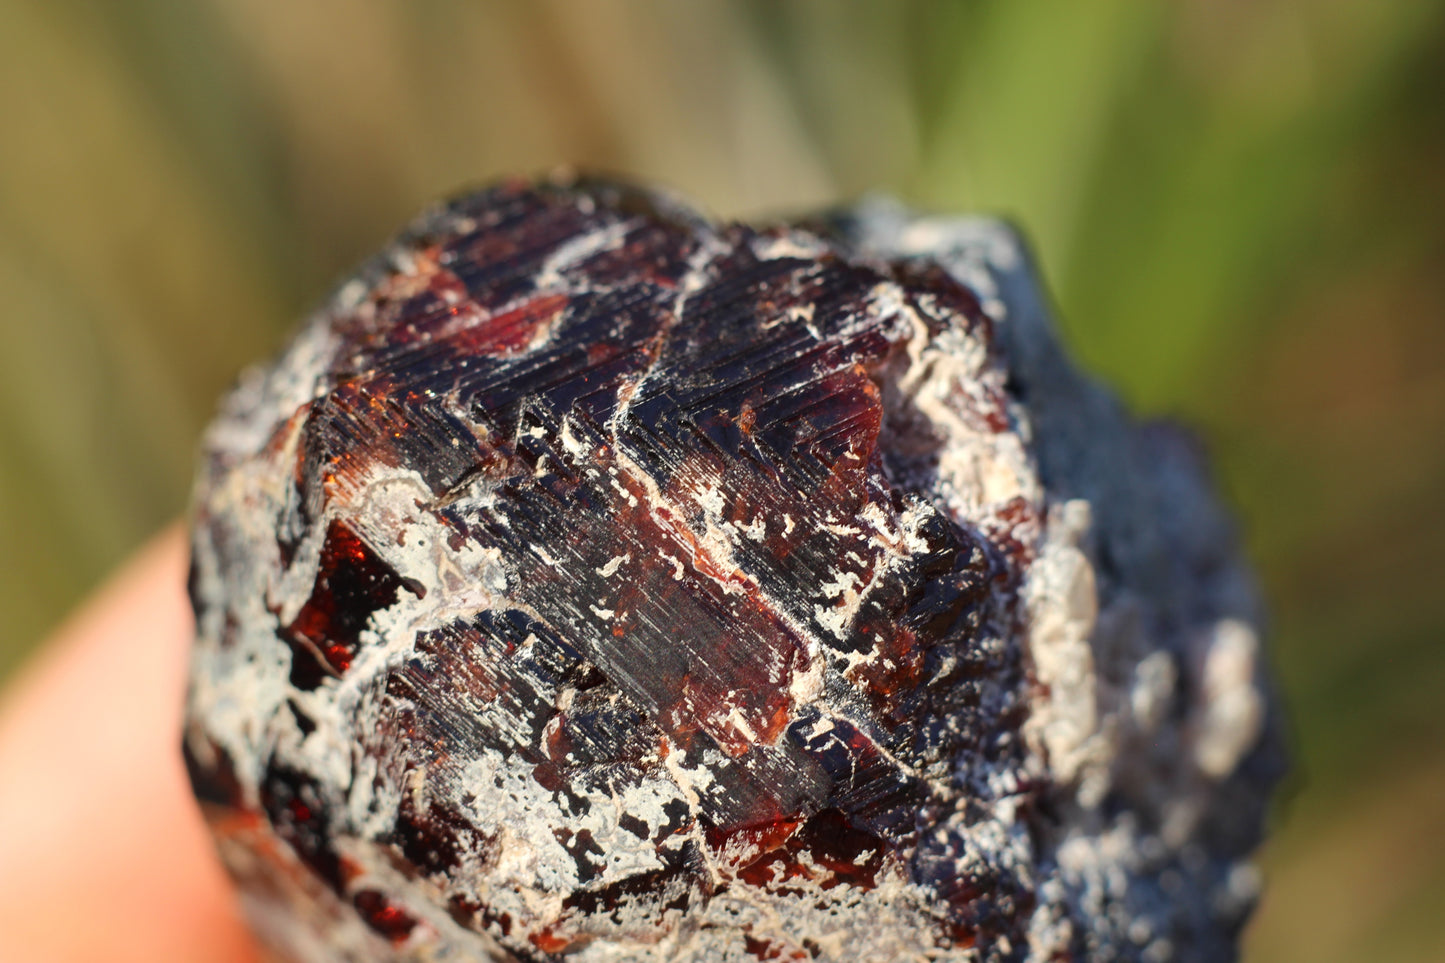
[(352, 583), (628, 580)]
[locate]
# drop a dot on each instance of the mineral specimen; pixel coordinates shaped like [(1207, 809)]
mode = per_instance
[(592, 581)]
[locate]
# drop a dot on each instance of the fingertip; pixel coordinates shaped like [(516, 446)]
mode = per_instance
[(105, 852)]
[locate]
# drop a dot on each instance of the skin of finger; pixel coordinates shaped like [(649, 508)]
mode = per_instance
[(103, 852)]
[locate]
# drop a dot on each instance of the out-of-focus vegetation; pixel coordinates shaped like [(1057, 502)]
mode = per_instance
[(1240, 206)]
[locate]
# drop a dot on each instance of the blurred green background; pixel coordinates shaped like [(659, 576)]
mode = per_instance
[(1239, 204)]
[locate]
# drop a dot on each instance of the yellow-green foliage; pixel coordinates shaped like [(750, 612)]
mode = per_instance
[(1239, 205)]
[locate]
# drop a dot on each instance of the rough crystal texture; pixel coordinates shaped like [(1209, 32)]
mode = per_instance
[(592, 581)]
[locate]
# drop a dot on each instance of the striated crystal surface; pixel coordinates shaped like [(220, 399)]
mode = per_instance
[(591, 581)]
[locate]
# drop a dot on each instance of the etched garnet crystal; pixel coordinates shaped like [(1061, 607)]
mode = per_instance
[(592, 581)]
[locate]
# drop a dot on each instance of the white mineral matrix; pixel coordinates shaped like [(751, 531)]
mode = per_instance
[(591, 581)]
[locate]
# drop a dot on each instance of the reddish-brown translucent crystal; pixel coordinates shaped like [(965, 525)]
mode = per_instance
[(613, 547)]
